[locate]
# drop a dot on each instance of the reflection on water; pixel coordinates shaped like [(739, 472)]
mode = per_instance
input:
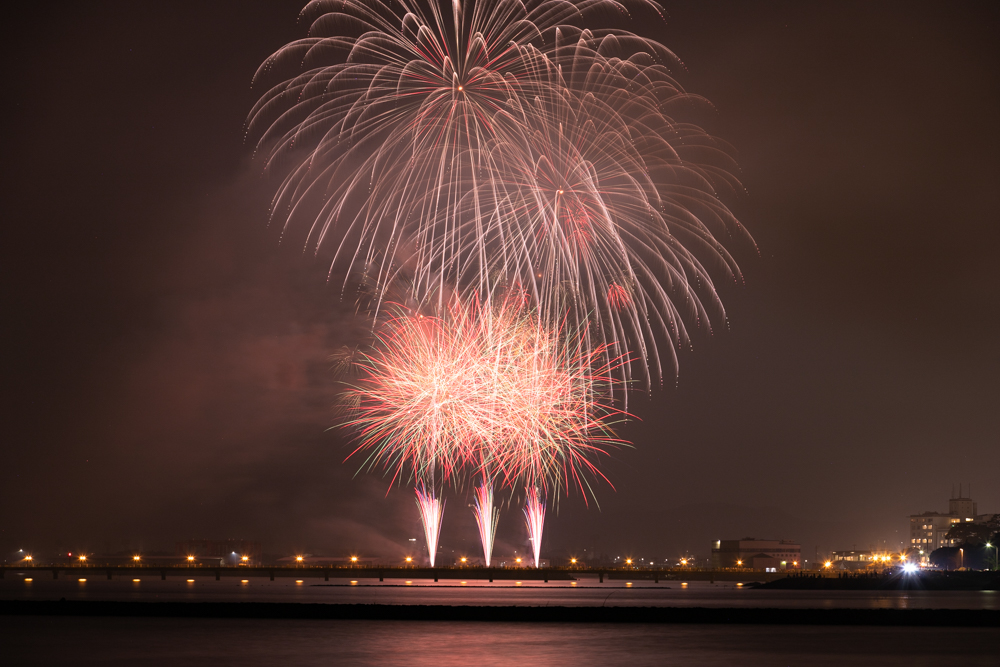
[(31, 641), (586, 592)]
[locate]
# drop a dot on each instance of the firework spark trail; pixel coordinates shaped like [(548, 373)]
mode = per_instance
[(431, 512), (534, 516), (496, 143), (487, 516), (483, 390)]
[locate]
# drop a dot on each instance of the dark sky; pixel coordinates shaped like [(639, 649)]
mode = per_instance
[(164, 359)]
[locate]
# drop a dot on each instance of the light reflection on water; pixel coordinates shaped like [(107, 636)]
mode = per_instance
[(31, 641), (586, 592)]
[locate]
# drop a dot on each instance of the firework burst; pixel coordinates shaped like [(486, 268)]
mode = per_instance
[(485, 391), (500, 143)]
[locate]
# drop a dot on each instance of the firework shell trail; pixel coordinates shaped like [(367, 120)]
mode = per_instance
[(431, 513), (505, 144), (534, 517), (487, 516)]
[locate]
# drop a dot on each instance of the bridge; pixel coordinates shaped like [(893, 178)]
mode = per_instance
[(327, 573)]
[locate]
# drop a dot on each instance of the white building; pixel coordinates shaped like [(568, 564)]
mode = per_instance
[(928, 530)]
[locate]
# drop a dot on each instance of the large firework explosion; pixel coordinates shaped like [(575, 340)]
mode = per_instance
[(483, 390), (479, 144)]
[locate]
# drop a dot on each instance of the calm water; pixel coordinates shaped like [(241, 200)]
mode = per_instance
[(587, 592), (82, 642)]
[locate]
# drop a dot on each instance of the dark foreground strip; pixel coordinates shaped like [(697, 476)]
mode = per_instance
[(908, 617)]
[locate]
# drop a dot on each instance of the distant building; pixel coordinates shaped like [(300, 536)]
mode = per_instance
[(853, 560), (770, 555), (928, 530)]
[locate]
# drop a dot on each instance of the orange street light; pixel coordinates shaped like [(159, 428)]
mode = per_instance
[(354, 559), (190, 559), (135, 558), (298, 559), (245, 559), (409, 559), (573, 561), (28, 558), (739, 563), (83, 559)]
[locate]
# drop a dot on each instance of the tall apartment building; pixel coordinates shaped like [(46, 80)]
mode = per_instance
[(928, 530)]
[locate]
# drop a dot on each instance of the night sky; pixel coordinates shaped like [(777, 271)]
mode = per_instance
[(164, 358)]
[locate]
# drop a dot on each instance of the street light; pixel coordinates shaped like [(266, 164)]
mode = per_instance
[(83, 559), (739, 563), (190, 559), (28, 558), (135, 558), (298, 559), (245, 559), (409, 559), (572, 561), (354, 559)]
